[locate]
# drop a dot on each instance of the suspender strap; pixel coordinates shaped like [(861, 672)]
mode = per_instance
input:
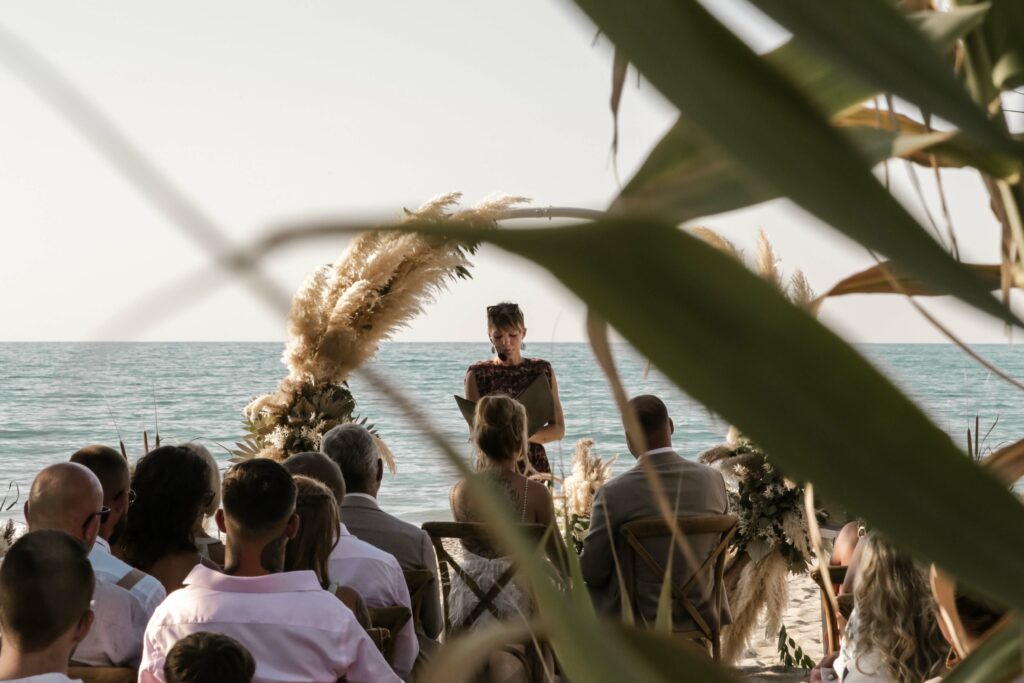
[(129, 580)]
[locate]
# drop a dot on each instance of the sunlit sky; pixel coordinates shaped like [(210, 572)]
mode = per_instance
[(269, 113)]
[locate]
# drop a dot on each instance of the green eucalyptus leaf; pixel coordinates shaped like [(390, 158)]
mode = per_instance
[(762, 122)]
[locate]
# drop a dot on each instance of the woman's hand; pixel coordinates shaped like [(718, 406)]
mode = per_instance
[(823, 672)]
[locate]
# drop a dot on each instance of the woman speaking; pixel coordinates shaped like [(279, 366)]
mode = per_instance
[(510, 374)]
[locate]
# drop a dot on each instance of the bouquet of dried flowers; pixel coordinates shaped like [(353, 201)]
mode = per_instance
[(589, 473)]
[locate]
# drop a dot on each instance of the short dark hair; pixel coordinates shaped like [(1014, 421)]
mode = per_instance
[(46, 585), (209, 658), (651, 412), (109, 466), (505, 315), (258, 495)]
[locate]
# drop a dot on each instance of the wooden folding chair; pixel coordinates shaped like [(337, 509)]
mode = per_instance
[(381, 637), (393, 619), (463, 532), (831, 633), (103, 674), (419, 582), (635, 532)]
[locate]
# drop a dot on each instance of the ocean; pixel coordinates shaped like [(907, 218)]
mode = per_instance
[(57, 397)]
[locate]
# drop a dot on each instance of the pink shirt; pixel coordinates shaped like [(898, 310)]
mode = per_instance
[(295, 630), (377, 576)]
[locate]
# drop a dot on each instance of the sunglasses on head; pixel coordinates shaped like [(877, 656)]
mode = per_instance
[(102, 513), (502, 307)]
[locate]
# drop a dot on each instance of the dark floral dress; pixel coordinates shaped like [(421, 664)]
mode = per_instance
[(512, 380)]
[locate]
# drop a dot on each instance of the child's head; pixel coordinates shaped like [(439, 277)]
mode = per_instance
[(209, 658)]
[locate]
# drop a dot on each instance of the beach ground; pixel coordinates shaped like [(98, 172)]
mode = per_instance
[(803, 624)]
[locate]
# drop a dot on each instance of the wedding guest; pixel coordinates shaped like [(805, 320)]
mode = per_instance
[(692, 489), (311, 547), (352, 447), (111, 468), (373, 573), (295, 631), (208, 546), (893, 634), (46, 583), (509, 373), (172, 487), (68, 497), (209, 658)]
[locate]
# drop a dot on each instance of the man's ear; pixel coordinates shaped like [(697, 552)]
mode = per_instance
[(24, 511), (292, 528), (83, 626), (671, 426), (90, 532), (380, 469), (219, 516)]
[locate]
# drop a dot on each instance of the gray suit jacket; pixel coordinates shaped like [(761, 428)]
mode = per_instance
[(693, 489), (411, 547)]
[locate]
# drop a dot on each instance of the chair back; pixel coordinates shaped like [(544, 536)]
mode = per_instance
[(419, 582), (103, 674), (392, 619), (473, 533), (712, 568), (832, 634), (381, 637)]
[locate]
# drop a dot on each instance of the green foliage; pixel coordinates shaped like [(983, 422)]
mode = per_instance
[(791, 654)]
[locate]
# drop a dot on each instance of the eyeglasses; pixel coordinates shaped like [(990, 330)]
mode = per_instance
[(102, 513)]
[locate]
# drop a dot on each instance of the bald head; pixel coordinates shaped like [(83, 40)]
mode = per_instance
[(62, 497), (318, 466)]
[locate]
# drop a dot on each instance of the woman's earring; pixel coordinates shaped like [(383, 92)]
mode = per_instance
[(492, 349)]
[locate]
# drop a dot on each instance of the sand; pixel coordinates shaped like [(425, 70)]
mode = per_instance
[(803, 624)]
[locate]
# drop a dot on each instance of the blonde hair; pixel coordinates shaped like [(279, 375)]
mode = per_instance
[(319, 526), (499, 431), (896, 613)]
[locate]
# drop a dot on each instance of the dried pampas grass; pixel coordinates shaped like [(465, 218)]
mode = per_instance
[(343, 311), (761, 590)]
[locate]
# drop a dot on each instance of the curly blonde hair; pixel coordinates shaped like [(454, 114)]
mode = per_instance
[(896, 613)]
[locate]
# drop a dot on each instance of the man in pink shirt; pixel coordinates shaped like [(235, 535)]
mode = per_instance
[(296, 631)]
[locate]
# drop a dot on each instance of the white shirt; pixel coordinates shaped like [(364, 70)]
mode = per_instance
[(45, 678), (296, 631), (109, 569), (115, 638), (377, 576)]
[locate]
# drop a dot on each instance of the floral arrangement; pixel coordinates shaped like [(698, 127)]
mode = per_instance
[(589, 473), (341, 314)]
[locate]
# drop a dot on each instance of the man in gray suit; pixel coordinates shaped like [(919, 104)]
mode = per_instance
[(352, 447), (691, 488)]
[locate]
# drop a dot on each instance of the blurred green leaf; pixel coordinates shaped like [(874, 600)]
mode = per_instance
[(996, 660), (736, 345), (666, 652), (835, 89), (1003, 31), (897, 58), (760, 120)]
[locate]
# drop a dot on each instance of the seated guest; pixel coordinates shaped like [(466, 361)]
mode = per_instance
[(46, 583), (893, 634), (501, 440), (373, 573), (978, 619), (172, 487), (311, 547), (68, 497), (209, 658), (208, 546), (111, 469), (353, 448), (692, 489), (295, 631)]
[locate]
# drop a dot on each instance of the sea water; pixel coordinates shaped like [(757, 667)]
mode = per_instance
[(57, 397)]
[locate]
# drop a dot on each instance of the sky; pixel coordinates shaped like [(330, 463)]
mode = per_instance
[(267, 114)]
